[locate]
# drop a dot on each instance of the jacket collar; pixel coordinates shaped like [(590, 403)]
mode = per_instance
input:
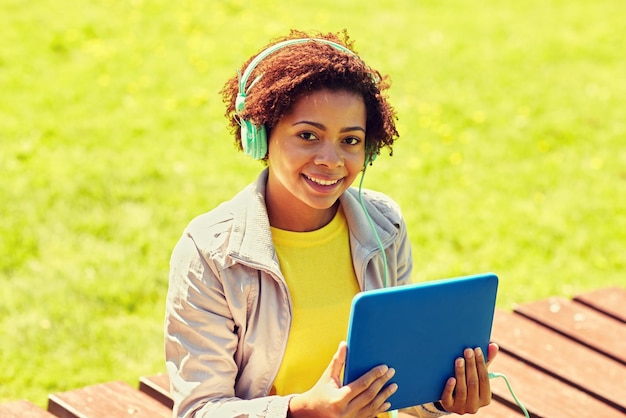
[(358, 223), (251, 239)]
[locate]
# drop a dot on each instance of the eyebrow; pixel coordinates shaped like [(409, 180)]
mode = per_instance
[(323, 128)]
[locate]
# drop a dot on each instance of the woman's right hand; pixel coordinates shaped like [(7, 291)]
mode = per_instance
[(364, 397)]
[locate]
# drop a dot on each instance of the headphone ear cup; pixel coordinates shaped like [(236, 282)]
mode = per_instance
[(253, 140)]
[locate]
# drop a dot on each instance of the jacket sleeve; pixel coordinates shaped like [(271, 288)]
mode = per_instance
[(201, 341), (428, 410)]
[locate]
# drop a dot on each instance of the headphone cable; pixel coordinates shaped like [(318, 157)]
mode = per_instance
[(517, 401), (371, 222)]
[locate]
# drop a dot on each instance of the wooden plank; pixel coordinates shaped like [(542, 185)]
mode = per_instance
[(610, 301), (561, 357), (106, 400), (23, 409), (580, 323), (158, 387), (543, 395), (495, 409)]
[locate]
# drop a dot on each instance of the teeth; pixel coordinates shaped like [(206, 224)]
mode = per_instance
[(323, 182)]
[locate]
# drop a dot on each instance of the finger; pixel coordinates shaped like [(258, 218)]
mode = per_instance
[(484, 386), (451, 390), (447, 397), (460, 390), (381, 400), (472, 401), (471, 374), (492, 351), (380, 403), (361, 394), (373, 380), (333, 371), (373, 399)]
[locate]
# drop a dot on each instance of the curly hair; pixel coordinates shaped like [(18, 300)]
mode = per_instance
[(298, 69)]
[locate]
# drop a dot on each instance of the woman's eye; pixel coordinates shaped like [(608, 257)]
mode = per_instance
[(308, 136), (352, 140)]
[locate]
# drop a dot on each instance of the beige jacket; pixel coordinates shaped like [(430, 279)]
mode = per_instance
[(228, 310)]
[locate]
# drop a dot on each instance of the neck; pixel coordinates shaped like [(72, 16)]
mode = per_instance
[(298, 219)]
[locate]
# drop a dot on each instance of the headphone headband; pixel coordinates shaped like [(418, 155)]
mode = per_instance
[(243, 79)]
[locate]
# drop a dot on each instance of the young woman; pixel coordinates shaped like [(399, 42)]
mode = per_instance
[(261, 286)]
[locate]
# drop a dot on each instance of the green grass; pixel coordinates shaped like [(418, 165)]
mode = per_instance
[(511, 159)]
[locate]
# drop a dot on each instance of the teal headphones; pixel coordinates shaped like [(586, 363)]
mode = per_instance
[(253, 137)]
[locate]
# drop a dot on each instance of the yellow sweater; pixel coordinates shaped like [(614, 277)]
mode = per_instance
[(320, 276)]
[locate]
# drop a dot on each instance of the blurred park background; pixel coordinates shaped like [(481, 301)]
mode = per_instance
[(512, 155)]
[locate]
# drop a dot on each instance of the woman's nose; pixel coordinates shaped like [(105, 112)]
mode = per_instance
[(329, 154)]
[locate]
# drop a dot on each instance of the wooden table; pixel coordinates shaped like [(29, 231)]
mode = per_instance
[(564, 358)]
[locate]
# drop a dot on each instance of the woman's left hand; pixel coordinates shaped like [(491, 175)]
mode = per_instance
[(469, 389)]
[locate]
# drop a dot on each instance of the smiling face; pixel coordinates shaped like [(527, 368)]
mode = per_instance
[(315, 153)]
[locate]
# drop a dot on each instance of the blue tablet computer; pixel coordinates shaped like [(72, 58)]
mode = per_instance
[(419, 330)]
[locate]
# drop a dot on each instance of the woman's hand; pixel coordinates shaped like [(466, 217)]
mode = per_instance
[(470, 389), (365, 397)]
